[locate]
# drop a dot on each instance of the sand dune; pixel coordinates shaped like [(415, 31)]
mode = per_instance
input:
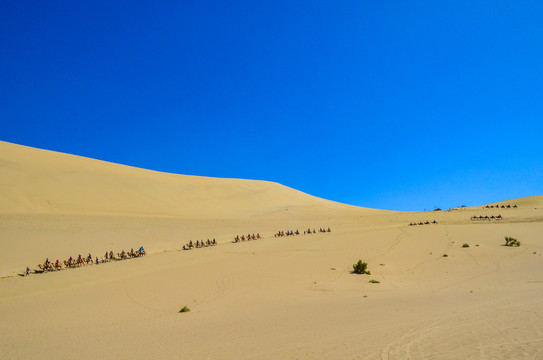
[(274, 298), (46, 182)]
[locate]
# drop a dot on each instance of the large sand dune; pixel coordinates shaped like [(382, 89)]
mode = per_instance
[(46, 182), (274, 298)]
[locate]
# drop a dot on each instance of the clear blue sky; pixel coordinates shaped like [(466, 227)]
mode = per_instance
[(402, 105)]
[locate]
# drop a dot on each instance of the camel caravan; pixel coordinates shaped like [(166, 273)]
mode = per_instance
[(72, 262), (506, 206), (281, 233), (422, 223), (486, 218), (199, 244), (246, 238)]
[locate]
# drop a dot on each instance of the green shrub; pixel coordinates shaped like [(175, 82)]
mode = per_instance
[(445, 255), (361, 268), (373, 281), (465, 245), (510, 241), (184, 309)]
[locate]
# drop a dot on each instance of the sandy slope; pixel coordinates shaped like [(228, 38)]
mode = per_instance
[(46, 182), (56, 205), (275, 298)]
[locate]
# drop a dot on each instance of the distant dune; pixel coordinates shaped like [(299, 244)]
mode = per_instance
[(46, 182), (447, 289)]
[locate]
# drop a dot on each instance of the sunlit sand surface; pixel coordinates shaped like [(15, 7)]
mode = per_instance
[(291, 297)]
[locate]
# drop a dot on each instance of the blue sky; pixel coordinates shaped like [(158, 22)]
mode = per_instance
[(397, 105)]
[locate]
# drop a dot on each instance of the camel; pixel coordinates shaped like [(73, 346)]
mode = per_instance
[(45, 267)]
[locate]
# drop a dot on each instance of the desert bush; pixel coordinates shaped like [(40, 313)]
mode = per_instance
[(465, 245), (510, 241), (361, 268), (184, 309), (445, 255), (373, 281)]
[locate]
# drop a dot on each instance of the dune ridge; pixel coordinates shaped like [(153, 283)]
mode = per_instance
[(41, 181)]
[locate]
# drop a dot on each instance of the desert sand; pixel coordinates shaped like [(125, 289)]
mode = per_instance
[(289, 297)]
